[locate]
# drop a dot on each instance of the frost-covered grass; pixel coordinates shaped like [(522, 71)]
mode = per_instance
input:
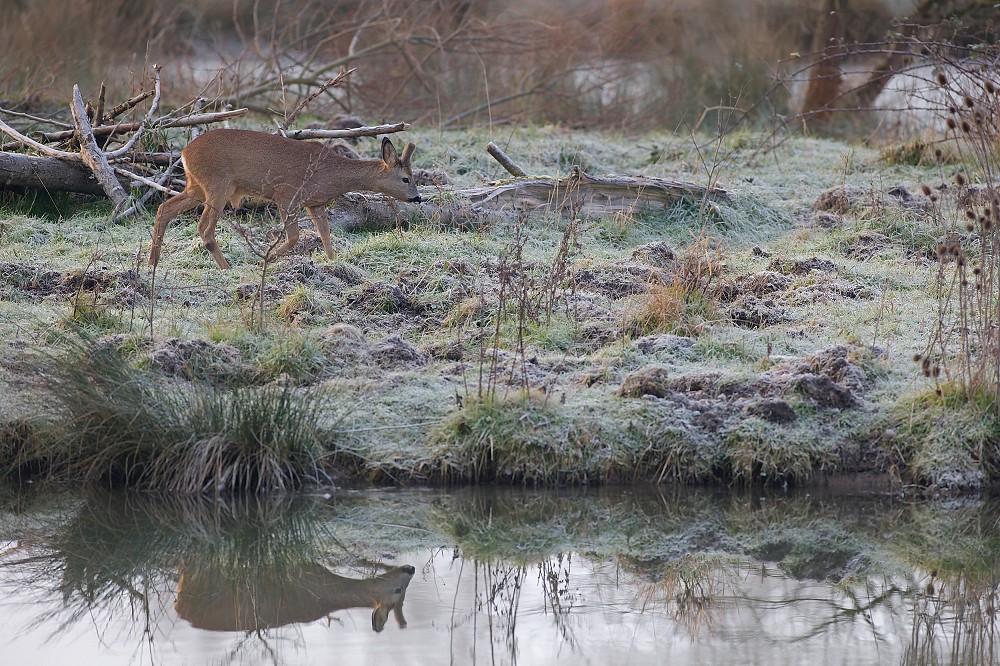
[(546, 305)]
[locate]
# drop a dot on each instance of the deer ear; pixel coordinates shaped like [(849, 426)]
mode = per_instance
[(388, 151), (407, 154)]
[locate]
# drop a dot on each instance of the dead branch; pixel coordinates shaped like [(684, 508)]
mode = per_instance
[(125, 106), (149, 116), (504, 160), (145, 181), (343, 74), (37, 119), (123, 128), (92, 155), (347, 133), (159, 159), (99, 110)]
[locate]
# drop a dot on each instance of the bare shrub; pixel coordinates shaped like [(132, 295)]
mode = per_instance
[(625, 63), (964, 349)]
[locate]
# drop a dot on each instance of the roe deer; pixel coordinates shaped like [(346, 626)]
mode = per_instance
[(224, 165), (209, 600)]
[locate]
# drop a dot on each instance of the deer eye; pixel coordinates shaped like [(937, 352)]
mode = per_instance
[(406, 180)]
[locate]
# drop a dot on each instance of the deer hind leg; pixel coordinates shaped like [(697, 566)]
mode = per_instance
[(322, 223), (167, 211), (291, 223), (206, 226)]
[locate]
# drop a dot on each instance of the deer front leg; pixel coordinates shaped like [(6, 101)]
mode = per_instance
[(322, 223)]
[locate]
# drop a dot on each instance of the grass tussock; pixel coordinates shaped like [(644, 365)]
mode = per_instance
[(529, 442), (948, 437), (681, 304), (763, 452), (116, 425), (517, 441)]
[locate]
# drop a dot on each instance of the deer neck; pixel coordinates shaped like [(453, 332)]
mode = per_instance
[(354, 175)]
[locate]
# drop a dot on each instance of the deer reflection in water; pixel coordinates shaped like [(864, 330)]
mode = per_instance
[(210, 600)]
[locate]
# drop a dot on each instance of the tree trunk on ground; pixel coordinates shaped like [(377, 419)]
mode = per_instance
[(46, 173)]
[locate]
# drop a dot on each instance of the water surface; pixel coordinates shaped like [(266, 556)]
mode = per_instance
[(498, 577)]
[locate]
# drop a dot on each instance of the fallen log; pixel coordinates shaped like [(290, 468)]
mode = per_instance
[(578, 194), (46, 173), (589, 195), (347, 133), (504, 160)]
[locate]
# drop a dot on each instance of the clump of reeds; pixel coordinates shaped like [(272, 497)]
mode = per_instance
[(110, 423), (681, 303)]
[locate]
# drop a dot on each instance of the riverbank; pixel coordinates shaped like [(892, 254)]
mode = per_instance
[(766, 340)]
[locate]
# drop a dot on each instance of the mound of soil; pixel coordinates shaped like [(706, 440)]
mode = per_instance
[(344, 344), (616, 282), (657, 254), (197, 359), (801, 266), (867, 245), (851, 200), (751, 312), (394, 352), (664, 343), (382, 298), (21, 281), (827, 379)]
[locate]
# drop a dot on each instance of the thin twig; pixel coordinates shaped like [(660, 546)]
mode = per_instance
[(48, 121)]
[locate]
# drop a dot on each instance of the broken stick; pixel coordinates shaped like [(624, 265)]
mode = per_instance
[(92, 155), (346, 133), (504, 160)]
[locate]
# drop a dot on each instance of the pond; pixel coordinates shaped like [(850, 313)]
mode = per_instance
[(609, 576)]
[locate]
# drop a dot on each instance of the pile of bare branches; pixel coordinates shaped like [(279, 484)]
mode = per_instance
[(100, 153)]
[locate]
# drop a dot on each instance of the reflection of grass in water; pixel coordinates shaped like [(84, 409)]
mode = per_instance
[(106, 557), (690, 588)]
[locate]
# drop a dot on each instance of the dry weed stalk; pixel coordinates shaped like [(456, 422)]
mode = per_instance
[(964, 348)]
